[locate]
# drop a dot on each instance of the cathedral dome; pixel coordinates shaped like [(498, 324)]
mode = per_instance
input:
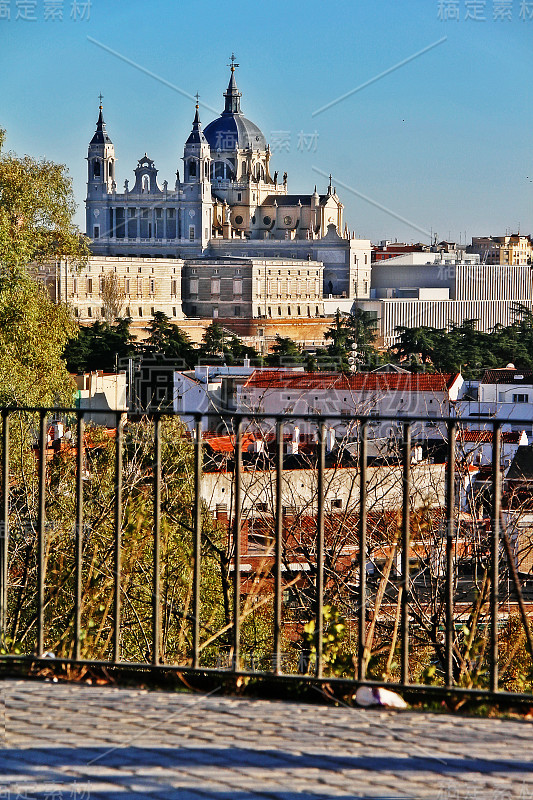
[(229, 132), (232, 130)]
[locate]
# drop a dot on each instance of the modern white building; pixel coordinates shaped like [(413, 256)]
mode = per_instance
[(437, 290)]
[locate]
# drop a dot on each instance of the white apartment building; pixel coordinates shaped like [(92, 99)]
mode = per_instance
[(502, 394), (372, 394)]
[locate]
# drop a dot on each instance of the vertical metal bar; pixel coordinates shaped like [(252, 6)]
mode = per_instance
[(278, 549), (319, 624), (41, 523), (363, 457), (495, 554), (197, 546), (450, 536), (78, 544), (237, 547), (156, 590), (406, 548), (117, 556), (4, 540)]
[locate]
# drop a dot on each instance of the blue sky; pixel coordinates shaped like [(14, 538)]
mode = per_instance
[(444, 142)]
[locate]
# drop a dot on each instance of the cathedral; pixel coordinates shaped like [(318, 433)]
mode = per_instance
[(225, 202)]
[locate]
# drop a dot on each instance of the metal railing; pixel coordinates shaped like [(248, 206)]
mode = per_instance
[(37, 586)]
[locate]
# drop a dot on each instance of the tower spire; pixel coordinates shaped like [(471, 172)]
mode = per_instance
[(232, 95), (101, 135)]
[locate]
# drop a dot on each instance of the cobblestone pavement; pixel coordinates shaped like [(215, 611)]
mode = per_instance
[(72, 742)]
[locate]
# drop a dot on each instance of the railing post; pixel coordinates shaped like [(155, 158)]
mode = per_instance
[(156, 578), (406, 548), (41, 533), (363, 457), (197, 545), (495, 554), (118, 539), (319, 624), (450, 536), (4, 540), (278, 549), (78, 545), (237, 546)]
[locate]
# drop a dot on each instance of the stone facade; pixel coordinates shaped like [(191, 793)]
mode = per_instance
[(252, 288), (144, 286)]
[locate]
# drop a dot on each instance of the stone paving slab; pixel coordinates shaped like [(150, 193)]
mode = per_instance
[(78, 742)]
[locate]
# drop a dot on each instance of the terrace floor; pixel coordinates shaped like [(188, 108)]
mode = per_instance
[(79, 742)]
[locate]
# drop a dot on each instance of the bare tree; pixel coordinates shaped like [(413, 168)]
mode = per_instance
[(113, 296)]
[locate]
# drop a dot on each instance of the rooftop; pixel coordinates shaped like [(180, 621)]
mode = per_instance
[(361, 381)]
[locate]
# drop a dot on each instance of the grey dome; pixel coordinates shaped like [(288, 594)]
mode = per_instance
[(232, 131)]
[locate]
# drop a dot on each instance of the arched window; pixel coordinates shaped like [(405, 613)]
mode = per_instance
[(96, 169), (146, 184), (243, 169), (111, 170), (192, 168)]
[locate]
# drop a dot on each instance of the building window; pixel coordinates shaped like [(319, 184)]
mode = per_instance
[(96, 232), (192, 168), (75, 286), (193, 311), (152, 311), (279, 311), (174, 311), (140, 311), (191, 233), (193, 285), (127, 285), (237, 311), (152, 286), (89, 311), (174, 287), (89, 285), (215, 286), (237, 287), (139, 287), (520, 398), (128, 312)]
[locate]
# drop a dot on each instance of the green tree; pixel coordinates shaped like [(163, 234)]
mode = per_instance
[(36, 213), (33, 334), (98, 346), (285, 353), (167, 339), (419, 342), (36, 210), (220, 347)]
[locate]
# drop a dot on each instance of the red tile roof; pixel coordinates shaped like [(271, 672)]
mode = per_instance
[(479, 437), (361, 381)]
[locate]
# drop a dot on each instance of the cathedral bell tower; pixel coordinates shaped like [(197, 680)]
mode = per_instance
[(196, 186), (100, 176), (197, 155)]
